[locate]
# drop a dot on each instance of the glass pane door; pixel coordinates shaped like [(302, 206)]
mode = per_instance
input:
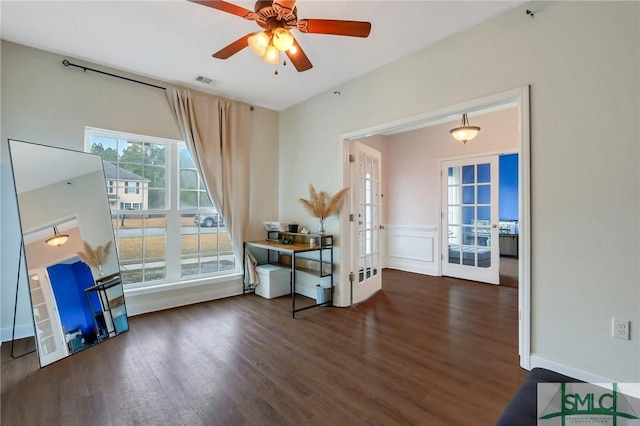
[(470, 210), (365, 205)]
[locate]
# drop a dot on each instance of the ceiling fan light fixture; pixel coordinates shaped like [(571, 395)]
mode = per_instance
[(282, 39), (281, 16), (465, 132), (259, 43), (57, 239), (271, 55)]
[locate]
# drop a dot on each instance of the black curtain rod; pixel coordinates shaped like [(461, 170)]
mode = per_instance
[(66, 63)]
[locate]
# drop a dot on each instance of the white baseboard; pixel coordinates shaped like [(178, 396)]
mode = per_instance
[(567, 370), (631, 389)]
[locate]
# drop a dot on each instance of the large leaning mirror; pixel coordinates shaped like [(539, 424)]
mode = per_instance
[(70, 254)]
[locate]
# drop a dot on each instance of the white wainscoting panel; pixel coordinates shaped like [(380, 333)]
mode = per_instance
[(413, 249)]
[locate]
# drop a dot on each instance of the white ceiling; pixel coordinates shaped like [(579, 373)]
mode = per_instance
[(172, 40)]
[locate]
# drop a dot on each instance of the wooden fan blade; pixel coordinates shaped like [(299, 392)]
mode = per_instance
[(335, 27), (299, 58), (225, 7), (233, 48)]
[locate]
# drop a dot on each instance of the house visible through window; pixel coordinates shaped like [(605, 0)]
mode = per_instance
[(166, 227)]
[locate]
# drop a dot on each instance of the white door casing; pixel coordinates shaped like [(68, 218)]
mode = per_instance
[(518, 97), (470, 234), (365, 209)]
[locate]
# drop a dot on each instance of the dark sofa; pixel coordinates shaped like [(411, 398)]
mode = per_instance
[(522, 409)]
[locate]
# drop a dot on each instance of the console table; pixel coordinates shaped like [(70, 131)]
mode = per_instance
[(289, 254)]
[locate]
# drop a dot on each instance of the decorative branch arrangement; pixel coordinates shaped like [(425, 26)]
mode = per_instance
[(95, 258), (321, 205)]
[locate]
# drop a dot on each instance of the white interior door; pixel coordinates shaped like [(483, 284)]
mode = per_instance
[(470, 234), (365, 221), (50, 339)]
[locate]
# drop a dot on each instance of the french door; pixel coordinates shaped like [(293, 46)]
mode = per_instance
[(470, 234), (366, 275)]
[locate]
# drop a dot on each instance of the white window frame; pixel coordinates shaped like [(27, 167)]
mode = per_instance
[(171, 210)]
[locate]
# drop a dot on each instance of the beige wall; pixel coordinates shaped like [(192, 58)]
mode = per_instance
[(581, 60), (47, 103)]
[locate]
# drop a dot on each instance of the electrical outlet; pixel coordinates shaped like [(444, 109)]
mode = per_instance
[(620, 328)]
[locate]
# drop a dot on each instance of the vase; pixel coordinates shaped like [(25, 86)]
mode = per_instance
[(320, 225)]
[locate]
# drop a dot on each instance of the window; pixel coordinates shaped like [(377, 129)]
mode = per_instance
[(166, 227), (132, 187), (130, 206)]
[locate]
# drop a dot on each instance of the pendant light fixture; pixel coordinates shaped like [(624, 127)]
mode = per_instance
[(57, 239), (465, 132)]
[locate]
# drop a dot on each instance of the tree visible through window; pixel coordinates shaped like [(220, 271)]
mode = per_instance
[(165, 224)]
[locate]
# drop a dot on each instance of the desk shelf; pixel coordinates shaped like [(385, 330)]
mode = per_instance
[(322, 240)]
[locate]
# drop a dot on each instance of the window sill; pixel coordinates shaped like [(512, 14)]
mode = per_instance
[(171, 286)]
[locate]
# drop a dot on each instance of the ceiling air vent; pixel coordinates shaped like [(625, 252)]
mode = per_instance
[(203, 79)]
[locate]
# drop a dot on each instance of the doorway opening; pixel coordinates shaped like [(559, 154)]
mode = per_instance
[(421, 250)]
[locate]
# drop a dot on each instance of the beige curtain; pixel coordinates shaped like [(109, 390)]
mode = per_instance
[(217, 133)]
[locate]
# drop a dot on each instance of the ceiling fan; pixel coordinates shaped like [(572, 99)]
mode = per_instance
[(276, 18)]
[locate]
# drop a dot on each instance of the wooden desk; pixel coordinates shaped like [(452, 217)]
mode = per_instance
[(301, 245)]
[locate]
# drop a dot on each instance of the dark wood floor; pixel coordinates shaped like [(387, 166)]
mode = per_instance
[(425, 350), (509, 271)]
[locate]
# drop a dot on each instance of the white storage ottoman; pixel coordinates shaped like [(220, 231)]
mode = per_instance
[(274, 281)]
